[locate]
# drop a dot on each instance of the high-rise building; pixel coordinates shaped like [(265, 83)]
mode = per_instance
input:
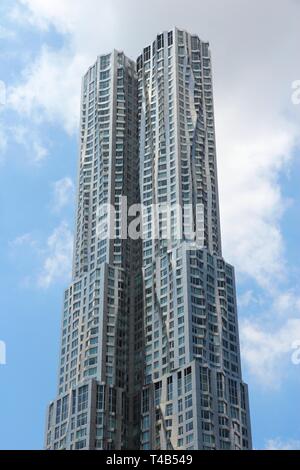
[(150, 353)]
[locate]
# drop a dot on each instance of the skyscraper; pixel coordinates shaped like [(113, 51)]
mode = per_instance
[(150, 349)]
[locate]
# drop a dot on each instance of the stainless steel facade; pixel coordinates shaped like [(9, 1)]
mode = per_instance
[(150, 353)]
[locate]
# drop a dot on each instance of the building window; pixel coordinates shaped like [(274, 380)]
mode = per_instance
[(160, 41), (170, 38), (82, 398)]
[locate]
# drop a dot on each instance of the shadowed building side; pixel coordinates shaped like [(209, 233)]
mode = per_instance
[(101, 362)]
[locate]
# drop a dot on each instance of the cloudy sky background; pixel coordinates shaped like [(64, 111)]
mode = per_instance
[(45, 47)]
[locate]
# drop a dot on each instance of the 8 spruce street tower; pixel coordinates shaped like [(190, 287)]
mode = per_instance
[(150, 354)]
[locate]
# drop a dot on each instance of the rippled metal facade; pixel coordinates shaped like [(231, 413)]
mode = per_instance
[(150, 353)]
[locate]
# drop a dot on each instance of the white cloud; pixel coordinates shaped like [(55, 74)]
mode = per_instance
[(57, 258), (26, 137), (247, 298), (3, 143), (6, 33), (43, 14), (2, 94), (51, 259), (267, 350), (63, 192), (281, 444), (287, 303), (39, 152), (251, 200), (68, 17), (26, 239), (50, 89), (36, 152), (269, 339)]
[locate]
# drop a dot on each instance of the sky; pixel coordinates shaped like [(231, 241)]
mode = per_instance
[(45, 48)]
